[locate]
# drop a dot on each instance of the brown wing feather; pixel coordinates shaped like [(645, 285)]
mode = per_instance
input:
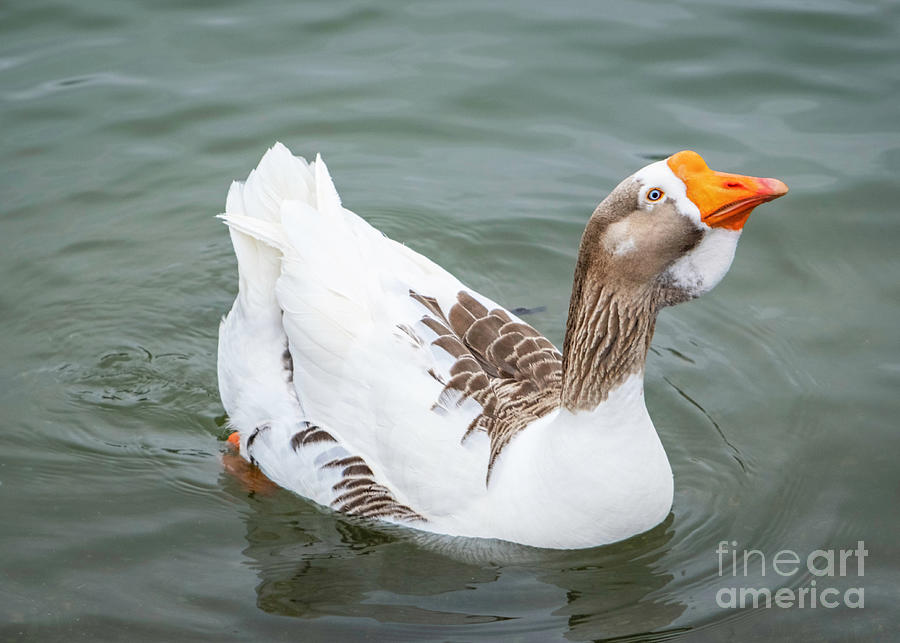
[(357, 493), (507, 366)]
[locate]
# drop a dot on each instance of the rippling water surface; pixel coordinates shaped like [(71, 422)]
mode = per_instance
[(481, 134)]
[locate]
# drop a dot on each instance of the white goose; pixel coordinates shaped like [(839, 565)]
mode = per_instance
[(363, 376)]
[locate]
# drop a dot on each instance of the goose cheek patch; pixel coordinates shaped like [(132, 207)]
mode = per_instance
[(618, 239)]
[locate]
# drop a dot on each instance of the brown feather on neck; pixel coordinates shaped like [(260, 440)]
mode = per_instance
[(616, 294), (608, 331), (607, 338)]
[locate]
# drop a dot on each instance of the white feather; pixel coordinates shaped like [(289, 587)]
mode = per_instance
[(701, 269)]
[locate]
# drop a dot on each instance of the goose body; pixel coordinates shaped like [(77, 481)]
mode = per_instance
[(363, 376)]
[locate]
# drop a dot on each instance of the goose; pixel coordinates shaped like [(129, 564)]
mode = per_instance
[(361, 375)]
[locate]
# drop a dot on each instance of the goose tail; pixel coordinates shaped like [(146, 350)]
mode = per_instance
[(255, 211)]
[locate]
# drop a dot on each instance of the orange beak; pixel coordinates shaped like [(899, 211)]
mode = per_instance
[(724, 200)]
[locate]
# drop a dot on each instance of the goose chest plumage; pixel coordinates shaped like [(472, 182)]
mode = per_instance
[(363, 376)]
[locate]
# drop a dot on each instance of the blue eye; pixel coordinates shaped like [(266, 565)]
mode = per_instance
[(654, 194)]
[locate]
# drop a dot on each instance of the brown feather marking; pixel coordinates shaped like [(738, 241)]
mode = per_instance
[(467, 301), (308, 435), (346, 502), (460, 321), (477, 385), (465, 364), (460, 381), (483, 333), (502, 353), (507, 366), (350, 483), (366, 498), (429, 302), (436, 326), (343, 462), (357, 470), (452, 345), (317, 435), (357, 492)]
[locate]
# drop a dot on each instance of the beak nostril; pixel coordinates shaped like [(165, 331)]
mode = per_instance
[(734, 184)]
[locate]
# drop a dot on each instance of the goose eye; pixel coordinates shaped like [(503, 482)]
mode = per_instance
[(655, 194)]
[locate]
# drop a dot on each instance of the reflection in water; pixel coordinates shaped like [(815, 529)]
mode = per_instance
[(313, 563)]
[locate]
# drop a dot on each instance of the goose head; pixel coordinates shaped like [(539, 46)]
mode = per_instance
[(671, 228), (664, 235)]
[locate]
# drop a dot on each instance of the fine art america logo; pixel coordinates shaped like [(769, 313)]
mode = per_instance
[(823, 565)]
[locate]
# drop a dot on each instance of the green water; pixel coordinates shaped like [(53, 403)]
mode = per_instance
[(482, 134)]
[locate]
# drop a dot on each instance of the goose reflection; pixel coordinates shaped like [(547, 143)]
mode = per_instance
[(314, 563)]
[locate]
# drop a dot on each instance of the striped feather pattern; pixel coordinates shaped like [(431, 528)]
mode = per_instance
[(508, 367)]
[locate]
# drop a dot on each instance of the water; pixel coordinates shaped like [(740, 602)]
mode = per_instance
[(481, 134)]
